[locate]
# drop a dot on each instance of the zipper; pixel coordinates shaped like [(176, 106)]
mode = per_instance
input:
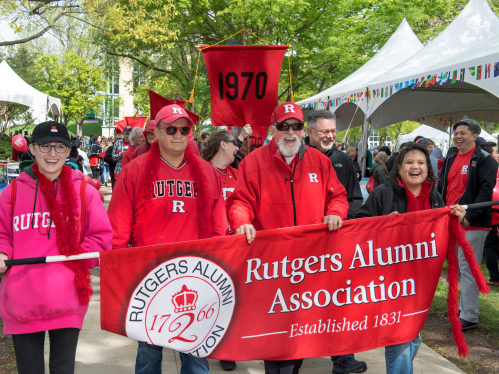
[(293, 199)]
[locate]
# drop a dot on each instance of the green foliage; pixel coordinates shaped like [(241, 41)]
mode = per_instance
[(79, 84), (5, 147), (88, 129)]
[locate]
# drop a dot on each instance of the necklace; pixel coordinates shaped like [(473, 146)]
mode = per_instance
[(220, 171)]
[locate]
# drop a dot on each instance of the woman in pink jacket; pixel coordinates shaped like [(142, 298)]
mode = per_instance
[(40, 215)]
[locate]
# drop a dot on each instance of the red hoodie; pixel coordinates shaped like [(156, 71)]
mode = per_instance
[(174, 212), (269, 195)]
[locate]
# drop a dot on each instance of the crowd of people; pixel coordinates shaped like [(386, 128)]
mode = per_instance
[(161, 179)]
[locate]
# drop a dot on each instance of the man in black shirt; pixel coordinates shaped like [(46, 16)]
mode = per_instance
[(321, 128)]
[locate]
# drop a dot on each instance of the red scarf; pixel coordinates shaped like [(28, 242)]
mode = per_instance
[(420, 202), (146, 188), (66, 217)]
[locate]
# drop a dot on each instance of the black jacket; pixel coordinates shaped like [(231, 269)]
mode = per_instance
[(391, 197), (345, 171), (239, 158), (482, 172), (391, 161)]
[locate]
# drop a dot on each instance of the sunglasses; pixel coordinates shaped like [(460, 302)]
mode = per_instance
[(172, 130), (233, 141), (285, 126)]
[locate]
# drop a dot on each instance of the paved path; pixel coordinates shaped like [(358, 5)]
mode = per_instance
[(101, 352)]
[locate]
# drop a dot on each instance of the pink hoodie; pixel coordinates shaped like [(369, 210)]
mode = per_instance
[(42, 297)]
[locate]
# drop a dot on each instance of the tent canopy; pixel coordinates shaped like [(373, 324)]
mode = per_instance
[(401, 45), (436, 135), (14, 90), (467, 50)]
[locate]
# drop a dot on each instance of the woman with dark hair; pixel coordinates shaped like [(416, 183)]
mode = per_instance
[(410, 188), (220, 149), (95, 155)]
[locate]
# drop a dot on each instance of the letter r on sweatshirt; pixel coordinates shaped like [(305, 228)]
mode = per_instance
[(313, 178), (178, 206)]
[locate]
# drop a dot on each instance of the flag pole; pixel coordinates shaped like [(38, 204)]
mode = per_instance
[(243, 36), (47, 259)]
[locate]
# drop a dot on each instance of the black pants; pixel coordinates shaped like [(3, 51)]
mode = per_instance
[(491, 253), (95, 172), (29, 351), (279, 367)]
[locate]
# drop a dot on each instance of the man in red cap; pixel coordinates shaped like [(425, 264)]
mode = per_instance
[(168, 195), (150, 138), (284, 184)]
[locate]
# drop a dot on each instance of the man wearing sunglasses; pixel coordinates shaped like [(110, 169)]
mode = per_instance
[(285, 184), (168, 195)]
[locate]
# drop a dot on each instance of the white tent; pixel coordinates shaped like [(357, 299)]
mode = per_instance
[(436, 135), (13, 90), (351, 91), (467, 50)]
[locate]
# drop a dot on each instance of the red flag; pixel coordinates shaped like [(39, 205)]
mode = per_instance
[(244, 82), (120, 125), (157, 102), (292, 293), (135, 122)]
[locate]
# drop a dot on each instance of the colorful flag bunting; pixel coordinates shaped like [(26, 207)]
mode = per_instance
[(391, 90), (461, 76), (496, 69), (472, 71), (406, 84), (454, 77), (487, 70), (479, 72)]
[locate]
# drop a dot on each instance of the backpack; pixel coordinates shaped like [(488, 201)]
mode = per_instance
[(83, 186), (108, 157)]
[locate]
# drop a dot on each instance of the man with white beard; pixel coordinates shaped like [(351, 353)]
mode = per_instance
[(321, 130), (284, 184)]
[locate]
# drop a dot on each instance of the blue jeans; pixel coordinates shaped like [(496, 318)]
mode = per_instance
[(398, 358), (105, 171), (149, 358)]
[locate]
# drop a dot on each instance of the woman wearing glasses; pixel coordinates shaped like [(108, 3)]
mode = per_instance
[(219, 150), (40, 216), (410, 188)]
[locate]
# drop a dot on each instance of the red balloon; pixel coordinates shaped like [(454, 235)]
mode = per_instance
[(101, 197), (79, 173), (19, 143), (96, 184), (87, 179)]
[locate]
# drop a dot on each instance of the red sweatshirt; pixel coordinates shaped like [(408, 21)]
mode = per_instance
[(173, 211), (269, 194), (127, 156)]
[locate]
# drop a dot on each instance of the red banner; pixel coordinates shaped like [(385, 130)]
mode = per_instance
[(120, 125), (244, 82), (292, 293)]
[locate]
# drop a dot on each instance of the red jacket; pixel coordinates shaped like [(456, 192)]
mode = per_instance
[(127, 156), (174, 211), (269, 195)]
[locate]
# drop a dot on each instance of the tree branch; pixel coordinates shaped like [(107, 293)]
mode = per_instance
[(139, 61), (29, 38), (88, 23), (307, 25)]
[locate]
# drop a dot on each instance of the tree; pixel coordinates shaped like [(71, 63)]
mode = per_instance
[(11, 112), (80, 85)]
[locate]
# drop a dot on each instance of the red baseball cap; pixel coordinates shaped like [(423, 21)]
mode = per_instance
[(286, 111), (170, 113), (150, 125)]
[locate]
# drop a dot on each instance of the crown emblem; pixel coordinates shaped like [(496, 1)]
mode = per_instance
[(185, 300)]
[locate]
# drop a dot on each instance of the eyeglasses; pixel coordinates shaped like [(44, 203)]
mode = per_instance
[(233, 141), (59, 148), (325, 132), (172, 130), (298, 126)]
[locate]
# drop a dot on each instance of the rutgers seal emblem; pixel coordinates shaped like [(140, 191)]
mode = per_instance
[(185, 304)]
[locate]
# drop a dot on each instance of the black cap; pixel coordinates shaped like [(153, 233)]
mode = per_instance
[(480, 141), (128, 128), (50, 131)]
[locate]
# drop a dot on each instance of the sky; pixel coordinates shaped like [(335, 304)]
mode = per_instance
[(6, 33)]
